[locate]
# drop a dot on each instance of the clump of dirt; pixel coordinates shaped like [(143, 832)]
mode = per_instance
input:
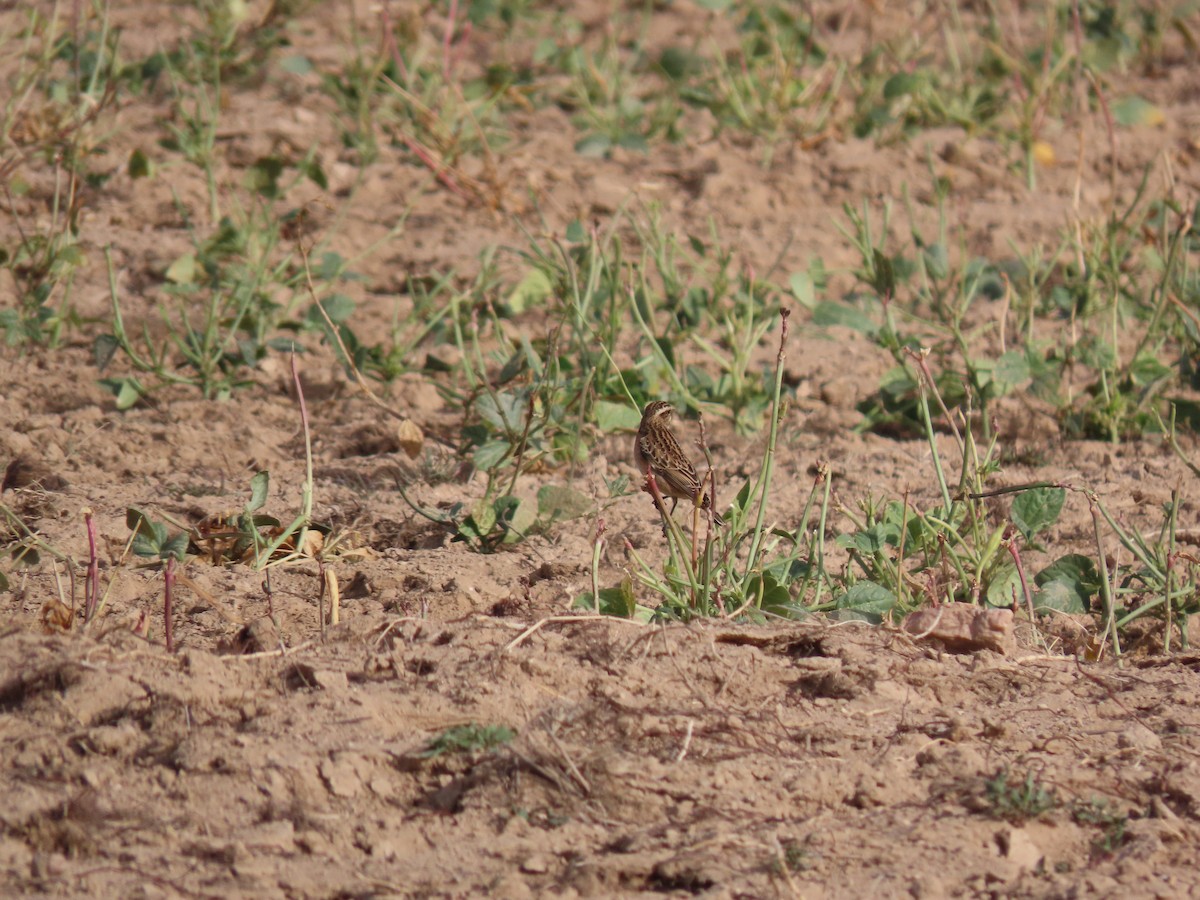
[(459, 731)]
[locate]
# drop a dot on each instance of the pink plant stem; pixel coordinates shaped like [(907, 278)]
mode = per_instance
[(168, 589), (440, 170), (93, 570), (1016, 555)]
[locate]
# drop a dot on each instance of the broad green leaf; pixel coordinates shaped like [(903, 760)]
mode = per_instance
[(616, 416), (803, 289), (901, 85), (1147, 369), (871, 540), (176, 547), (1012, 369), (139, 165), (296, 64), (183, 270), (259, 485), (519, 520), (558, 502), (867, 601), (127, 391), (828, 313), (504, 411), (593, 145), (576, 233), (1132, 111), (885, 275), (937, 262), (263, 176), (534, 288), (1060, 596), (1067, 584), (104, 347), (616, 601), (1036, 509), (484, 517), (489, 455), (1005, 587), (338, 307)]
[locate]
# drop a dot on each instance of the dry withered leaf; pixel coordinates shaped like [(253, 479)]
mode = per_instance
[(56, 616), (410, 438)]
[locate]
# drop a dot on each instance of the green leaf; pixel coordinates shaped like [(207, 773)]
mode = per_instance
[(803, 289), (1132, 111), (104, 347), (263, 176), (937, 262), (1012, 369), (594, 146), (296, 64), (534, 288), (484, 517), (139, 165), (616, 416), (871, 540), (519, 518), (314, 172), (1004, 587), (259, 485), (901, 85), (1146, 369), (504, 411), (866, 601), (183, 270), (884, 281), (576, 233), (150, 539), (616, 601), (338, 307), (558, 503), (1036, 509), (469, 738), (828, 313), (1067, 584), (176, 547), (127, 391), (490, 454)]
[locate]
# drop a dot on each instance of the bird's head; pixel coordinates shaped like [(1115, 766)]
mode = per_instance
[(658, 410)]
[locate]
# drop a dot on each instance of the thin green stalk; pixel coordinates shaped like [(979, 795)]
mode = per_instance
[(763, 484)]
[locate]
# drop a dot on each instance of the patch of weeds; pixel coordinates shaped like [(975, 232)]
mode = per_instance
[(1017, 801), (225, 305), (746, 569), (793, 857), (1107, 818), (726, 315), (52, 124), (412, 90), (615, 102), (765, 88), (984, 76), (231, 41), (470, 738)]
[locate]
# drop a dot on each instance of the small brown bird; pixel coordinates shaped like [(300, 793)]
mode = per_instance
[(656, 450)]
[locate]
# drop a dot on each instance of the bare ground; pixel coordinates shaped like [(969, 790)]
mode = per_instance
[(272, 756)]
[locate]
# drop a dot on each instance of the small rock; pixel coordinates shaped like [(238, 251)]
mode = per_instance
[(1018, 847), (963, 627), (537, 864), (329, 680)]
